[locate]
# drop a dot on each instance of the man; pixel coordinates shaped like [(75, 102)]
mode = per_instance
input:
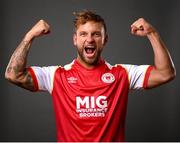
[(89, 94)]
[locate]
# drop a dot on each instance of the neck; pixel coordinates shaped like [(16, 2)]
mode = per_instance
[(86, 65)]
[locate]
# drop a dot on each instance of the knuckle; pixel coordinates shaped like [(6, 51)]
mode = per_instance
[(41, 20), (141, 19)]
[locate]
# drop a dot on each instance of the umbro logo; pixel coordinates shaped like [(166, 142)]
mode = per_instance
[(72, 79)]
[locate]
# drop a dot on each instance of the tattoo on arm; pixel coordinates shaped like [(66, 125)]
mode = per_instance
[(28, 84), (16, 68)]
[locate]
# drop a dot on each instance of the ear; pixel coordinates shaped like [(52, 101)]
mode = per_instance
[(75, 39), (105, 39)]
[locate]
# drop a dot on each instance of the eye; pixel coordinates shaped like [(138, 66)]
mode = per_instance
[(97, 34), (82, 34)]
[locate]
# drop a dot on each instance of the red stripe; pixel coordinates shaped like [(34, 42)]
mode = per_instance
[(34, 78), (145, 83)]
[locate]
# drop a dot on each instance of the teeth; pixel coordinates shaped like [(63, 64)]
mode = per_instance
[(90, 46), (89, 49)]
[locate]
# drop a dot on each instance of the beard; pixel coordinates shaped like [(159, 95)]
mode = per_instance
[(89, 61)]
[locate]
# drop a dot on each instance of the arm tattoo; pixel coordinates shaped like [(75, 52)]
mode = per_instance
[(17, 66), (28, 84)]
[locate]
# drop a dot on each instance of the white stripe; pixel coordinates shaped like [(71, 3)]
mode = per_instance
[(69, 66)]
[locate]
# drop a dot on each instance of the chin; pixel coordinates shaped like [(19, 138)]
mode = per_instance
[(92, 61)]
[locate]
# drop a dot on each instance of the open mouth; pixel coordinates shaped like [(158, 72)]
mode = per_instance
[(90, 49)]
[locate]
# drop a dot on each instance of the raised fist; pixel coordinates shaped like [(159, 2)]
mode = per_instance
[(39, 29), (141, 27)]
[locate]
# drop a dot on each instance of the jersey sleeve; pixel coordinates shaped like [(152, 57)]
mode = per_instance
[(138, 75), (43, 77)]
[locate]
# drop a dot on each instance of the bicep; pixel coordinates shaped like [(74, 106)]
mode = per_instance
[(156, 78), (37, 78), (26, 81)]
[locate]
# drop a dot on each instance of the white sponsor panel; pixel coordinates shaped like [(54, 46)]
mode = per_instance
[(89, 106)]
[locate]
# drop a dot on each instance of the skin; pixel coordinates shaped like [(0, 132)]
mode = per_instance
[(91, 34), (164, 69), (16, 71)]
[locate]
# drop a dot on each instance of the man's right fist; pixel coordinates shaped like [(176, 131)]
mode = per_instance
[(39, 29)]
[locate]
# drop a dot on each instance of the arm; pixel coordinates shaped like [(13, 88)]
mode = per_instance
[(16, 71), (164, 69)]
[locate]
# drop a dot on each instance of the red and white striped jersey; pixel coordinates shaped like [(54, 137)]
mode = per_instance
[(90, 104)]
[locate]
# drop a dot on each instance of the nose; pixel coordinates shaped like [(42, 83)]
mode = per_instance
[(90, 39)]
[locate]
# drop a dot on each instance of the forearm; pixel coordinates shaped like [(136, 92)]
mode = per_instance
[(17, 64), (162, 59)]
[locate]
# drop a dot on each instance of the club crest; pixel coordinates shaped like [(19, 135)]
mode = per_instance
[(108, 78)]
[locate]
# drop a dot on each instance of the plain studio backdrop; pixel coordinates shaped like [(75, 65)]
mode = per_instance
[(152, 115)]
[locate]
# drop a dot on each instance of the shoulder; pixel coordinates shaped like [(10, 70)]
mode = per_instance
[(68, 66), (116, 66)]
